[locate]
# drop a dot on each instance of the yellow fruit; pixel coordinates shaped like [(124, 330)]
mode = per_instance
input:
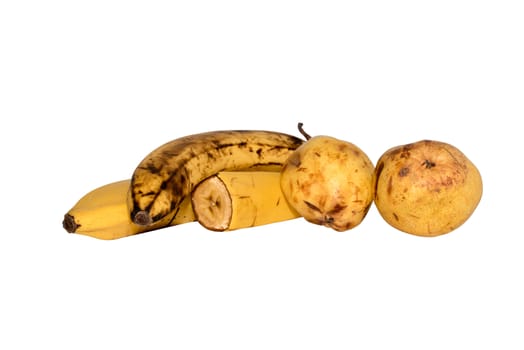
[(329, 182), (426, 188), (103, 213), (240, 199), (169, 173)]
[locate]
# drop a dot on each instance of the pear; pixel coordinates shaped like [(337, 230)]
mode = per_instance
[(426, 188), (329, 182)]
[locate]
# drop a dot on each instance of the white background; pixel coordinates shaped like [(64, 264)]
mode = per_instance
[(88, 88)]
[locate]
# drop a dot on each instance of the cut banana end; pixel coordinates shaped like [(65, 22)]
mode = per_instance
[(239, 199), (214, 206)]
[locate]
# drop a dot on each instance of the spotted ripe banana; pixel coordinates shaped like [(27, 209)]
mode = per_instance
[(103, 213), (232, 200), (165, 177)]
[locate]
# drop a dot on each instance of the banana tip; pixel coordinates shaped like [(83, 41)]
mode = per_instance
[(69, 223), (142, 218)]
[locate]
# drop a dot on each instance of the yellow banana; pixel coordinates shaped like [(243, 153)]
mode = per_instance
[(103, 213), (240, 199), (169, 173)]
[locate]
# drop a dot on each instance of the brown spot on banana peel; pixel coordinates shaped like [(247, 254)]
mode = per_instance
[(151, 168)]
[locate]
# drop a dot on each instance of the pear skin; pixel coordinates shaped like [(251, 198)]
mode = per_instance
[(329, 182), (426, 188)]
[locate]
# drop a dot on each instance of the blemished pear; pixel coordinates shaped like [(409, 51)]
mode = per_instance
[(426, 188), (329, 182)]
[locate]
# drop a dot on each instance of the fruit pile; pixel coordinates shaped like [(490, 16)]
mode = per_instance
[(227, 180)]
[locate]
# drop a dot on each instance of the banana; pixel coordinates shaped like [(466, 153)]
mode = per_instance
[(169, 173), (103, 213), (239, 199)]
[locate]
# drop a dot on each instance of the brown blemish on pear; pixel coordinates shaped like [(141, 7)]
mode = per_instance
[(403, 171)]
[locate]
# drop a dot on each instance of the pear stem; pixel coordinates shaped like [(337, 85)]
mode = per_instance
[(303, 132)]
